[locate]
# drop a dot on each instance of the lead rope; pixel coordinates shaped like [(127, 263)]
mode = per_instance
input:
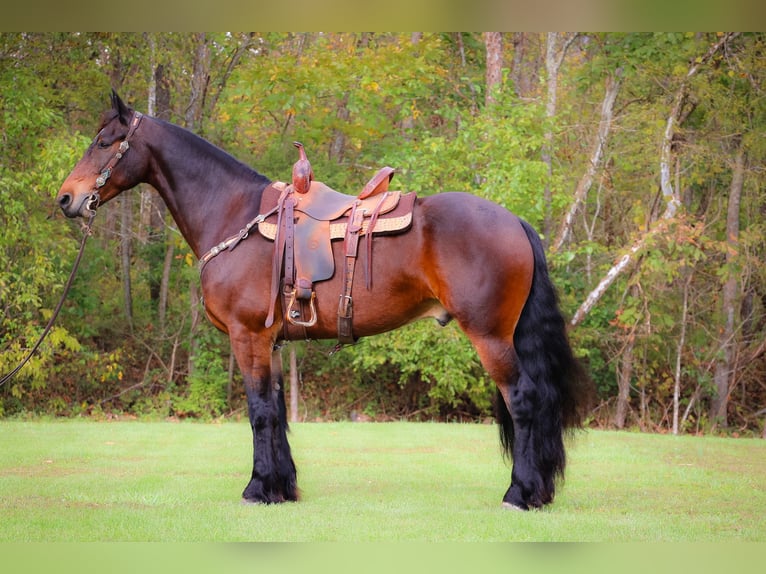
[(48, 327)]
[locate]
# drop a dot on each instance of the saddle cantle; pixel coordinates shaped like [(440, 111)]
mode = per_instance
[(303, 225)]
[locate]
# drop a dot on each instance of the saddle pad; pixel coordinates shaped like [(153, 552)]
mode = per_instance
[(396, 220), (324, 203)]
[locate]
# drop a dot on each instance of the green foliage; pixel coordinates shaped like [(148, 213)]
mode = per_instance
[(206, 393), (495, 154), (34, 260), (443, 357), (359, 101), (341, 95)]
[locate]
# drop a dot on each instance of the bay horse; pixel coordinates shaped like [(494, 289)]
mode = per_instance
[(464, 258)]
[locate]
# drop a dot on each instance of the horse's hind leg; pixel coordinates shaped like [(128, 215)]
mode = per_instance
[(488, 270), (517, 412), (532, 479), (273, 478)]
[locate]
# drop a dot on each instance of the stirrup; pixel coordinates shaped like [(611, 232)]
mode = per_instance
[(288, 312)]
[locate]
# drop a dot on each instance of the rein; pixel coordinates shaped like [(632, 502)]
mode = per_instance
[(89, 210), (85, 235)]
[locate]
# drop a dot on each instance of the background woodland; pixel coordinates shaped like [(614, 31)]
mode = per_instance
[(638, 157)]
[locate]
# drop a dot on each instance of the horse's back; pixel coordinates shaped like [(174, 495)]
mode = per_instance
[(466, 230)]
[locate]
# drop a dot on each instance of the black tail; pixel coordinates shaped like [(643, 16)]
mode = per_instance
[(545, 356)]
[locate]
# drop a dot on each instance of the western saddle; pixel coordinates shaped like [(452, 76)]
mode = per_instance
[(303, 218)]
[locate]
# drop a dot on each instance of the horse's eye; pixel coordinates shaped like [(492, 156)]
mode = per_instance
[(102, 144)]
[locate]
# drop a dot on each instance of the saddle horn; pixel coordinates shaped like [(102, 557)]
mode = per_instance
[(303, 174)]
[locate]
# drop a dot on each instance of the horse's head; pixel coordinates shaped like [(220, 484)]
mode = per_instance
[(107, 168)]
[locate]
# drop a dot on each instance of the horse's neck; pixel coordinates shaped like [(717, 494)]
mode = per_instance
[(209, 193)]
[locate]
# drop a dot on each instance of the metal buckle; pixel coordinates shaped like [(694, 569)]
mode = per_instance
[(345, 306)]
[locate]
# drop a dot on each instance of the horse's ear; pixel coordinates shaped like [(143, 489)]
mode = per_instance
[(123, 111)]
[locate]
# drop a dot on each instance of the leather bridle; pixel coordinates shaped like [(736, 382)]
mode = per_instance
[(106, 171)]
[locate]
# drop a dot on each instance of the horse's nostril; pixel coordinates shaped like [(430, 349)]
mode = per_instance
[(65, 200)]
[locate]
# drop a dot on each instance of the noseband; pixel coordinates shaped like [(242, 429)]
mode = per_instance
[(106, 171)]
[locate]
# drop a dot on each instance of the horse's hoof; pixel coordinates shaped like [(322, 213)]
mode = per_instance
[(511, 506)]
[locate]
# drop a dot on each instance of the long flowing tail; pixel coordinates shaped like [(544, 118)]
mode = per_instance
[(544, 354)]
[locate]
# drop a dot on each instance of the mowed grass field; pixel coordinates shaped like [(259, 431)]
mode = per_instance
[(85, 481)]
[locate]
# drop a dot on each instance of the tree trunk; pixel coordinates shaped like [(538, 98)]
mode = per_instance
[(475, 96), (679, 351), (294, 385), (126, 218), (195, 298), (493, 42), (625, 374), (151, 228), (193, 118), (156, 206), (724, 368), (555, 52), (162, 306), (145, 211), (585, 183), (230, 379), (338, 143), (199, 82), (522, 73)]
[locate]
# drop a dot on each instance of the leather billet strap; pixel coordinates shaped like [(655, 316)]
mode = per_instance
[(351, 249), (279, 251), (346, 304), (370, 231)]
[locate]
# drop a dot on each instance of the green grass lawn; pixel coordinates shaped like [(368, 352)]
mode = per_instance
[(160, 481)]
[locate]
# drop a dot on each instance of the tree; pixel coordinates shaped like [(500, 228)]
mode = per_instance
[(596, 158), (669, 193), (725, 366), (494, 44), (555, 52)]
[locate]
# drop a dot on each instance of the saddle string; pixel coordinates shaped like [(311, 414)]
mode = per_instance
[(67, 286)]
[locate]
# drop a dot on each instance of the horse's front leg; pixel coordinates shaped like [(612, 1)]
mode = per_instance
[(273, 478)]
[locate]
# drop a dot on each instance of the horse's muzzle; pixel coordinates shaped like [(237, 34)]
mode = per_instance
[(86, 207)]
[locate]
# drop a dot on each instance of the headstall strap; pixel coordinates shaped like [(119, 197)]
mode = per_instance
[(106, 173)]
